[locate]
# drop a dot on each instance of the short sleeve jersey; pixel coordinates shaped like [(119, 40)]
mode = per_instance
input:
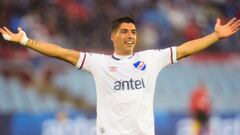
[(125, 89)]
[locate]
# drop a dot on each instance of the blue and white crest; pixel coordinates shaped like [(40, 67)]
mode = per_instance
[(140, 65)]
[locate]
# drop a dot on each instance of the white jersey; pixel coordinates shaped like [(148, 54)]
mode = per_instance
[(125, 89)]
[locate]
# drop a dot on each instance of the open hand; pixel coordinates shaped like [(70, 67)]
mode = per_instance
[(19, 37), (231, 27), (10, 36)]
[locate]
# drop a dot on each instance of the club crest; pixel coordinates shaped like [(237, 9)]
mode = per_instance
[(140, 65)]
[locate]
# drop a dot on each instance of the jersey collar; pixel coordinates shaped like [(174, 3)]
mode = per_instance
[(122, 57)]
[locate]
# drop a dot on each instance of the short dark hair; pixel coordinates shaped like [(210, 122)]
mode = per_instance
[(117, 22)]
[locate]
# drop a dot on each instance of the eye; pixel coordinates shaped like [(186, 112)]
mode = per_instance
[(133, 32), (123, 31)]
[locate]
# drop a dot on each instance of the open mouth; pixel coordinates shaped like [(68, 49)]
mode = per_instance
[(129, 42)]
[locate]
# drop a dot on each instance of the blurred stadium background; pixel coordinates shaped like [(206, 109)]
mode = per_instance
[(44, 96)]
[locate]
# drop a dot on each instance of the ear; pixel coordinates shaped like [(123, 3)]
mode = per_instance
[(113, 36)]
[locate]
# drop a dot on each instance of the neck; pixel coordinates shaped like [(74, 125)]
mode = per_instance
[(126, 53), (122, 54), (125, 56)]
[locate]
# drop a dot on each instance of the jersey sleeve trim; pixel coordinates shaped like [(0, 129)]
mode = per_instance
[(173, 52), (171, 55), (81, 60)]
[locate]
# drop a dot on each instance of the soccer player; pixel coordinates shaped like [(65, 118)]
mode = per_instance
[(200, 109), (125, 81)]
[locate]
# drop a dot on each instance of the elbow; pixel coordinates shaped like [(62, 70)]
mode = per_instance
[(185, 55), (69, 56), (181, 53)]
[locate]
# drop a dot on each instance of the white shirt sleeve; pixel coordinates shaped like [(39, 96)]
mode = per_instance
[(163, 57), (86, 61), (166, 56), (81, 60)]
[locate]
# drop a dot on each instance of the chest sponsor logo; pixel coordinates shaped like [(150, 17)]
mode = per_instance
[(129, 84), (140, 65)]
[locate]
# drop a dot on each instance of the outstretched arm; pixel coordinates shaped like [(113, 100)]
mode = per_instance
[(220, 32), (48, 49)]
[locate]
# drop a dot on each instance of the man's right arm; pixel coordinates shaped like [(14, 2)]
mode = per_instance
[(52, 50), (48, 49)]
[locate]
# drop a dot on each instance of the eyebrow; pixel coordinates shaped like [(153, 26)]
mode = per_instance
[(127, 30)]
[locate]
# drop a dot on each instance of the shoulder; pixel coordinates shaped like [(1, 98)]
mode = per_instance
[(89, 60), (98, 58), (95, 55), (155, 51), (150, 52)]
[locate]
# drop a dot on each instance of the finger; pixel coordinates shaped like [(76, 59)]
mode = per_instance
[(232, 21), (5, 35), (218, 21), (2, 31), (236, 30), (236, 24), (7, 30), (20, 29)]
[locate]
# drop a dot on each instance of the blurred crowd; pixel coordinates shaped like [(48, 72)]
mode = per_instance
[(86, 24)]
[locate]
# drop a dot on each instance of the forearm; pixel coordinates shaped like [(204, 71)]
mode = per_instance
[(194, 46), (47, 49), (53, 50)]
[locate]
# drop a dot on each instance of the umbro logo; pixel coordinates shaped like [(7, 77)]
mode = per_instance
[(102, 130), (140, 65), (112, 69)]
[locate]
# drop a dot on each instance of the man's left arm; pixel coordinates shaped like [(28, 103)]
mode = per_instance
[(220, 32)]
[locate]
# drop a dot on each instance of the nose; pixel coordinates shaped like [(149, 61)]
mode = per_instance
[(130, 35)]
